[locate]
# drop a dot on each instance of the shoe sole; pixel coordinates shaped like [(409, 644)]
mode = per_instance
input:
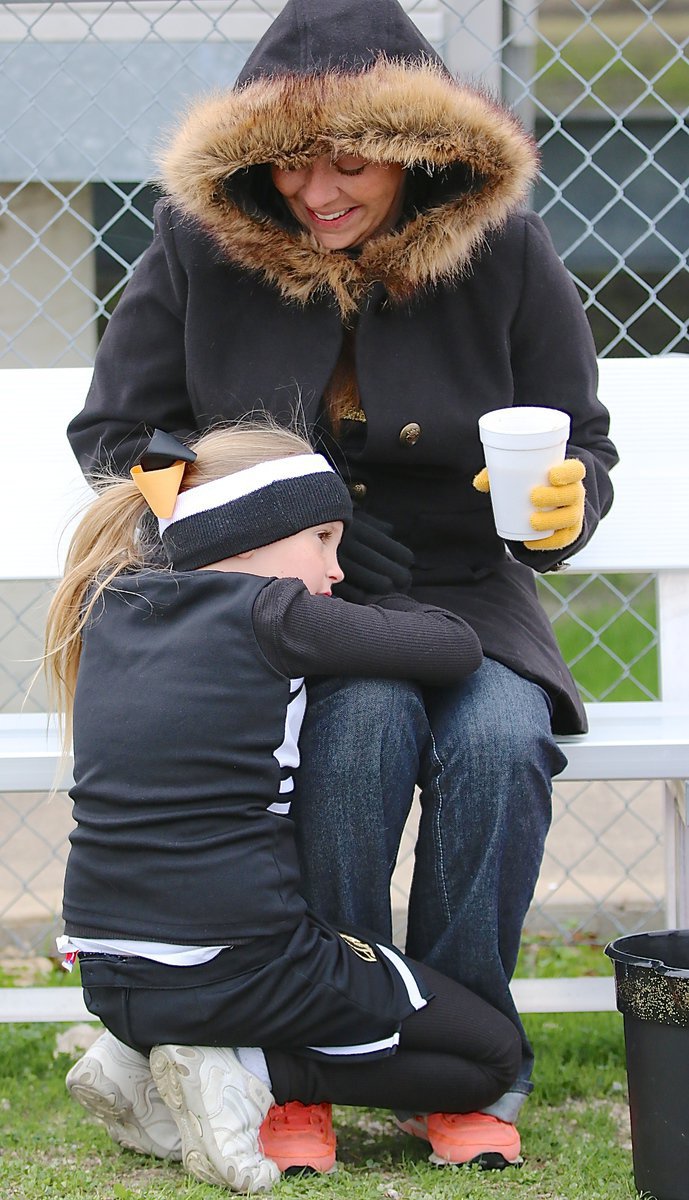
[(243, 1102), (312, 1166), (487, 1160), (103, 1099)]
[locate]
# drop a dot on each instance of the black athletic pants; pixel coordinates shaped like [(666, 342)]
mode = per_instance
[(458, 1054)]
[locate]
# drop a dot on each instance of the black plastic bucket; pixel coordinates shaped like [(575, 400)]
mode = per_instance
[(652, 984)]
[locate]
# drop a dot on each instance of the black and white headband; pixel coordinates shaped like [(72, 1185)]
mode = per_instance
[(239, 512)]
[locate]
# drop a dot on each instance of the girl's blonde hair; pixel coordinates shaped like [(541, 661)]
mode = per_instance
[(114, 536)]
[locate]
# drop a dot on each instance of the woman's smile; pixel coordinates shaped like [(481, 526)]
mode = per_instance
[(342, 202), (331, 216)]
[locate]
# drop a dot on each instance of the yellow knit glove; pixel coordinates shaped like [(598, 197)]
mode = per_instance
[(564, 498)]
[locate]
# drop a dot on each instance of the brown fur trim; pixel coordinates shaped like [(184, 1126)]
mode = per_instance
[(409, 113)]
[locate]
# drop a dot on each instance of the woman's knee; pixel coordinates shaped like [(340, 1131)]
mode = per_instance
[(524, 752), (361, 747), (357, 696), (349, 715), (499, 726)]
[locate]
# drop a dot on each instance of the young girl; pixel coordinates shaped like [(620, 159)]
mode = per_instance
[(181, 674)]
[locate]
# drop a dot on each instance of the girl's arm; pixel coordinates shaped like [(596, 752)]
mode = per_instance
[(395, 638)]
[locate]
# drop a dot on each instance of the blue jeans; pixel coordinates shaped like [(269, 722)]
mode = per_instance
[(483, 756)]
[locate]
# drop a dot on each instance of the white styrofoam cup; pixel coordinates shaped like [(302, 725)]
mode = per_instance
[(520, 445)]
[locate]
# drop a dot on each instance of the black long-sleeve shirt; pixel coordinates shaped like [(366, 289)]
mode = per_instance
[(187, 713)]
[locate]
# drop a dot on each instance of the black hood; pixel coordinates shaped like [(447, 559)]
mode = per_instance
[(343, 77), (311, 37)]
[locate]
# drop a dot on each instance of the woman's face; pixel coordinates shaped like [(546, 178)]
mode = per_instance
[(342, 202)]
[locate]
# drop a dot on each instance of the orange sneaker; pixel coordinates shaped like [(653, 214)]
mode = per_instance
[(467, 1138), (299, 1137)]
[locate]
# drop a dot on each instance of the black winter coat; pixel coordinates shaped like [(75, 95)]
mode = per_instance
[(463, 308)]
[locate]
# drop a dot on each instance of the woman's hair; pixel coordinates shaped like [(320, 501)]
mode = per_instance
[(117, 533)]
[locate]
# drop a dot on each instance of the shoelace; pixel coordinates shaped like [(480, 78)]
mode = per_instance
[(297, 1117), (460, 1118)]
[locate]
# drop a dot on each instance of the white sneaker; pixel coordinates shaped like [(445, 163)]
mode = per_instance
[(114, 1084), (219, 1107)]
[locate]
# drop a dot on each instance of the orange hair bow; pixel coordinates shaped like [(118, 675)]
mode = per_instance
[(159, 472)]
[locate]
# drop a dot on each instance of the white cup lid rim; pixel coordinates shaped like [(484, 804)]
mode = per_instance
[(525, 419)]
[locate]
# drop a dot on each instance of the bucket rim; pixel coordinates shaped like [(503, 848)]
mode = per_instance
[(646, 962)]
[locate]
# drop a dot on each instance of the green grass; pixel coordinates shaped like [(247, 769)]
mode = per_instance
[(575, 1129), (599, 640), (615, 54), (41, 972), (544, 957), (575, 1132)]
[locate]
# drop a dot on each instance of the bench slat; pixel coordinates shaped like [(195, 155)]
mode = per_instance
[(635, 740), (634, 536), (530, 995), (30, 754)]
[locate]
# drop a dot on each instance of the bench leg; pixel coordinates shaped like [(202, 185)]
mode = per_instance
[(677, 853)]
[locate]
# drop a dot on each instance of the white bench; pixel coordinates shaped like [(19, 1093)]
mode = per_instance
[(645, 532)]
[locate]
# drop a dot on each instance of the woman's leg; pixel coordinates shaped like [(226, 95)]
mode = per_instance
[(455, 1055), (361, 748), (485, 815)]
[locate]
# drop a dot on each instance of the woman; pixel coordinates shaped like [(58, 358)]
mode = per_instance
[(342, 234)]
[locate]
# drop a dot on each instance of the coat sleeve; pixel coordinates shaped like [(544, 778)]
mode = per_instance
[(139, 378), (394, 638), (550, 327)]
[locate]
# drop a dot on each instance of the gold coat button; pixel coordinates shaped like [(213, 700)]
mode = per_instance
[(410, 434), (358, 491)]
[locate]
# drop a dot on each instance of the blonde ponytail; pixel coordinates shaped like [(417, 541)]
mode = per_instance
[(109, 539), (113, 537)]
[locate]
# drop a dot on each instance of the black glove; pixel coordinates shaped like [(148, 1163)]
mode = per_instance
[(373, 562)]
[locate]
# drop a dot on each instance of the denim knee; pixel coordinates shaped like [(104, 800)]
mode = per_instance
[(348, 707), (361, 747), (496, 728), (368, 734)]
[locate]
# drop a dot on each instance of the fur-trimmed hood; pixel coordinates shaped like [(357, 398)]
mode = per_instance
[(381, 94)]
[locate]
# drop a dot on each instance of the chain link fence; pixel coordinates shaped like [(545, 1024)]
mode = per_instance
[(87, 88)]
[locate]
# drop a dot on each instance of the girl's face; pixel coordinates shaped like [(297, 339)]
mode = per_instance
[(310, 555), (342, 203)]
